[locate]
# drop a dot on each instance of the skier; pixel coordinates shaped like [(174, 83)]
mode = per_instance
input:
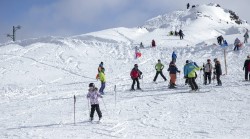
[(220, 39), (188, 5), (159, 67), (93, 96), (135, 75), (153, 43), (102, 78), (247, 68), (172, 73), (190, 61), (237, 44), (246, 36), (174, 56), (99, 69), (225, 43), (218, 71), (137, 52), (208, 71), (189, 73), (181, 34), (141, 45)]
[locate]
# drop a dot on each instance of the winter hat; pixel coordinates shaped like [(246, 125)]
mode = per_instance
[(187, 61), (91, 85), (136, 65), (159, 60)]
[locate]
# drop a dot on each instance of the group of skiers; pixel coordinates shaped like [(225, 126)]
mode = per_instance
[(190, 69), (175, 33)]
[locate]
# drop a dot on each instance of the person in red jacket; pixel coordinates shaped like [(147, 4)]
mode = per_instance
[(135, 75), (153, 43), (247, 68)]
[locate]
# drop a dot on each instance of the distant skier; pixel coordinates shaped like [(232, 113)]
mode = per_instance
[(176, 33), (218, 72), (188, 5), (237, 44), (100, 67), (102, 78), (181, 34), (135, 74), (225, 44), (189, 73), (247, 68), (93, 96), (220, 39), (246, 36), (208, 71), (137, 52), (141, 45), (172, 73), (159, 67), (174, 56), (153, 43)]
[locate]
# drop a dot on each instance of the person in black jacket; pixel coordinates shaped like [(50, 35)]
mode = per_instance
[(218, 72), (181, 34), (172, 73), (247, 68)]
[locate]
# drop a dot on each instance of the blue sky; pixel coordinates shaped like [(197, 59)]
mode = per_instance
[(74, 17)]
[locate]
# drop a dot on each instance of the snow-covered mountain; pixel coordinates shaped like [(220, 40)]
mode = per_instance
[(40, 76)]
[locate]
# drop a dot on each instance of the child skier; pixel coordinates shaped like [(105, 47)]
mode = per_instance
[(93, 96), (189, 73), (218, 72), (159, 67), (172, 73)]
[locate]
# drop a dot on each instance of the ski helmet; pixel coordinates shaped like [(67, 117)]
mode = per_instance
[(91, 85), (136, 65), (187, 61), (208, 60)]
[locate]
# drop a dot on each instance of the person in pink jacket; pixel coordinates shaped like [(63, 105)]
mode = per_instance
[(93, 96)]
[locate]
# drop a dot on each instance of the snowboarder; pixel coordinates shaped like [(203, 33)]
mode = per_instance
[(93, 96), (159, 67), (220, 39), (135, 75), (208, 71), (172, 73), (189, 73), (141, 45), (247, 68), (181, 34), (246, 36), (153, 43), (174, 56), (102, 78), (188, 5), (237, 44), (218, 71)]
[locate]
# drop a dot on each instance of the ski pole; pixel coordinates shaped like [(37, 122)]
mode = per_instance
[(74, 109), (115, 95), (88, 106), (105, 107)]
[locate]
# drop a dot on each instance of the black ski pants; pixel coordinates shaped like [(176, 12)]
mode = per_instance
[(247, 74), (133, 84), (192, 83), (236, 47), (208, 76), (157, 73), (218, 79), (97, 108)]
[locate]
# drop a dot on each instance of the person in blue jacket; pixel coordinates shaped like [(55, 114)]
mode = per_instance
[(174, 56), (189, 73)]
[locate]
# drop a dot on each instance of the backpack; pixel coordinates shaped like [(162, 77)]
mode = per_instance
[(134, 73)]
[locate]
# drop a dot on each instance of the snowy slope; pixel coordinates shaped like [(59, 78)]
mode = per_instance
[(39, 78)]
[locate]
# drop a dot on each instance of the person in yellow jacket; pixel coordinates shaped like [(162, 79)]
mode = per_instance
[(159, 67), (102, 78)]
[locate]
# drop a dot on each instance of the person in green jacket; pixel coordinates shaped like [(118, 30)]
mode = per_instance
[(159, 67), (102, 78)]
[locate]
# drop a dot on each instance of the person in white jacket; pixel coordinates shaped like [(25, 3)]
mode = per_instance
[(93, 96), (208, 71)]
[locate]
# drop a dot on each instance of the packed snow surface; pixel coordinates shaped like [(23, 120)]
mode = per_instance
[(39, 78)]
